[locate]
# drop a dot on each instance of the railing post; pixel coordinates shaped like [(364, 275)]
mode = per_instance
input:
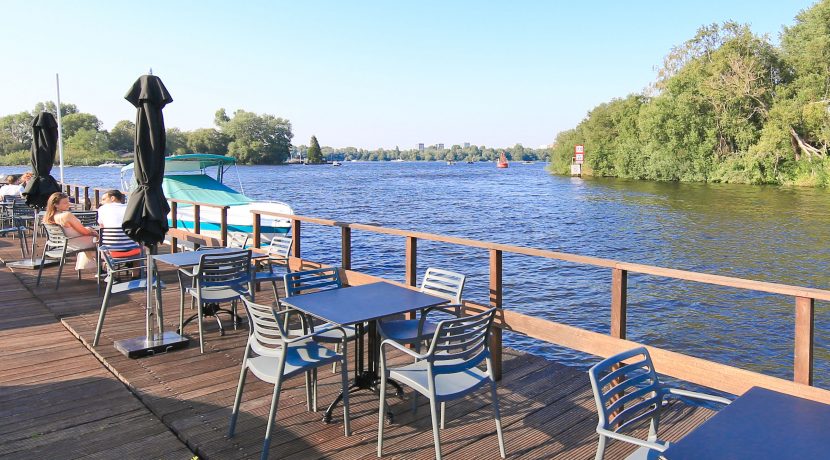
[(197, 224), (496, 298), (295, 235), (174, 210), (619, 293), (223, 225), (97, 197), (87, 205), (411, 275), (346, 248), (76, 194), (411, 261), (256, 228), (804, 310)]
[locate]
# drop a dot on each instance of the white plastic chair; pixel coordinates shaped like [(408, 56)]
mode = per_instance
[(448, 370), (238, 240), (56, 247), (273, 357), (628, 393), (440, 283), (278, 253), (222, 277), (116, 266)]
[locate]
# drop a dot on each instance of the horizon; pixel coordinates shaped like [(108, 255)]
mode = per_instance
[(369, 75)]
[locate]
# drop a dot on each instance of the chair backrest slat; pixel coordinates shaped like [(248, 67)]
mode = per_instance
[(443, 283), (267, 327), (626, 389), (303, 282), (227, 269), (115, 239), (461, 343), (280, 247), (55, 234)]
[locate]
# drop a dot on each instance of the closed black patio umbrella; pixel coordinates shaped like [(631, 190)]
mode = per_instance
[(42, 185), (44, 146), (145, 220)]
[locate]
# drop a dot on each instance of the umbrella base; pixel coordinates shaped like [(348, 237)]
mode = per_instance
[(140, 346), (29, 264)]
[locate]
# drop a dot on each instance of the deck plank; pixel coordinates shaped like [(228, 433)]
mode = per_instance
[(547, 408)]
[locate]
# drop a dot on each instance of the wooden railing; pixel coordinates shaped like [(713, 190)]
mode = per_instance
[(700, 371), (696, 370), (80, 195)]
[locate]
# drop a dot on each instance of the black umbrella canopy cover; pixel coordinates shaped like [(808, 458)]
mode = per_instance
[(146, 218), (44, 146)]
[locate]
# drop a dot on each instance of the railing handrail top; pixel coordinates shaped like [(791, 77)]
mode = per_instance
[(686, 275)]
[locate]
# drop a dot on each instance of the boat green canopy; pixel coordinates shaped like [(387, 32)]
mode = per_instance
[(192, 162), (202, 189)]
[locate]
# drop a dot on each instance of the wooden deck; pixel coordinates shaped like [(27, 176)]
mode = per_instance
[(547, 408)]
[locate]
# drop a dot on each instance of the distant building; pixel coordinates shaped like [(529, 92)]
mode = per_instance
[(421, 147), (466, 145), (440, 146)]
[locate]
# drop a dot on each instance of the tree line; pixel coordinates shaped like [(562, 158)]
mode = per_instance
[(429, 153), (727, 106), (249, 137)]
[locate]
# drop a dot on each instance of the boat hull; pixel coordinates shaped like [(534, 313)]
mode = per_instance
[(239, 219)]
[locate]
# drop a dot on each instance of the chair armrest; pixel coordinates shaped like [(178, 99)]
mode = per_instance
[(696, 395), (315, 333), (631, 439), (456, 306), (402, 348)]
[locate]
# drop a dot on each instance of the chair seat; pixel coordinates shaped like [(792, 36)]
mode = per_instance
[(298, 358), (406, 330), (218, 293), (334, 336), (447, 386), (131, 285)]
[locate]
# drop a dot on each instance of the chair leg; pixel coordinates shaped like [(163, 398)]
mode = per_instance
[(199, 313), (443, 410), (308, 396), (334, 364), (238, 399), (344, 381), (497, 417), (40, 268), (314, 390), (275, 399), (381, 411), (60, 270), (436, 436), (600, 448), (103, 313)]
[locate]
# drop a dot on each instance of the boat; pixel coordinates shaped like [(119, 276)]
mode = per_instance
[(502, 163), (199, 177), (398, 160), (528, 162), (336, 163), (110, 164), (450, 162)]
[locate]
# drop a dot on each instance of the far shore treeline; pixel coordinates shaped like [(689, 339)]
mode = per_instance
[(727, 106), (249, 137)]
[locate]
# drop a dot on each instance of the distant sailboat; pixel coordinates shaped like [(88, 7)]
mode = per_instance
[(502, 163)]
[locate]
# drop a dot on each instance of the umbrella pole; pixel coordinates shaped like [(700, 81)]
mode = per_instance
[(149, 311), (60, 131)]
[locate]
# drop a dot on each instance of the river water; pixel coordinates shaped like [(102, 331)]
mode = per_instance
[(764, 233)]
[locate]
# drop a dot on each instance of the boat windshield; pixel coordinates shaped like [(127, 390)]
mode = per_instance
[(200, 164)]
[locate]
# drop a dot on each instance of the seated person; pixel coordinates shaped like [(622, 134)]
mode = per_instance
[(80, 237), (112, 209), (11, 188)]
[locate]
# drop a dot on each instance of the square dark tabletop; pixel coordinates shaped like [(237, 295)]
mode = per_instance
[(191, 258), (357, 304), (761, 424)]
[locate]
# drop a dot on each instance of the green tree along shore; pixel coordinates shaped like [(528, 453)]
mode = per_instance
[(249, 137), (727, 106)]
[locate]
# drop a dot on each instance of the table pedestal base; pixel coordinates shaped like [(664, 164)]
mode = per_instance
[(364, 381), (141, 346)]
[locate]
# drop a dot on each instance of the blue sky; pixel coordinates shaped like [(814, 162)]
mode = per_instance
[(363, 74)]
